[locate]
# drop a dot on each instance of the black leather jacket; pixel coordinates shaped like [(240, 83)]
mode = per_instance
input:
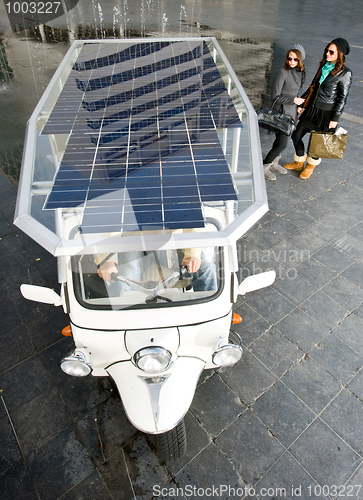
[(332, 94)]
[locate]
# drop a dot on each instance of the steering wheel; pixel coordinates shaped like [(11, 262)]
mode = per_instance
[(150, 288)]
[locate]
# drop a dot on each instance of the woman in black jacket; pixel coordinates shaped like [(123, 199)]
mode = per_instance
[(285, 86), (324, 103)]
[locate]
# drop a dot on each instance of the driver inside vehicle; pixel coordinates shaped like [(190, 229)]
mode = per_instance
[(156, 266)]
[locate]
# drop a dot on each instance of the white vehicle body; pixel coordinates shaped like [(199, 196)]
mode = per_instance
[(183, 329)]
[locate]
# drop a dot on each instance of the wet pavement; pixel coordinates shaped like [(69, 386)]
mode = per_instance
[(285, 422)]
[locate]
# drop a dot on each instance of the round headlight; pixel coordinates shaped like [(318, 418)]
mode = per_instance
[(76, 363), (152, 359), (227, 355)]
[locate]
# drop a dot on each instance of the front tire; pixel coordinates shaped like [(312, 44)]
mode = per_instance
[(171, 444)]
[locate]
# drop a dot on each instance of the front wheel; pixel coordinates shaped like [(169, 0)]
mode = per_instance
[(171, 444)]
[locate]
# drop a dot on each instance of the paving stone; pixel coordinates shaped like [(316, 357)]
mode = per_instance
[(9, 450), (10, 318), (294, 288), (252, 325), (350, 331), (324, 310), (15, 347), (9, 244), (106, 429), (287, 479), (133, 471), (302, 329), (271, 305), (328, 200), (314, 208), (265, 262), (91, 487), (297, 192), (263, 238), (47, 329), (247, 252), (354, 487), (315, 272), (337, 358), (330, 227), (210, 463), (353, 209), (281, 204), (59, 464), (307, 242), (344, 292), (312, 384), (5, 227), (168, 492), (40, 419), (359, 311), (344, 192), (215, 405), (287, 254), (334, 259), (283, 413), (282, 227), (24, 382), (324, 455), (254, 456), (276, 352), (354, 273), (348, 244), (27, 310), (300, 216), (248, 378), (344, 416), (16, 483), (357, 231), (356, 385)]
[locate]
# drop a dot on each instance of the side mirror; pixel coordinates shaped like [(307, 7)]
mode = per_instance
[(256, 281), (40, 294)]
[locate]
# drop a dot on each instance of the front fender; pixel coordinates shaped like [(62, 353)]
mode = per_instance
[(156, 404)]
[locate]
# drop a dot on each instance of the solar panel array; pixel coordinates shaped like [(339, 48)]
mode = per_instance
[(143, 150)]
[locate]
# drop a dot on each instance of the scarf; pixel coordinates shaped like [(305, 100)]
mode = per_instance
[(325, 70)]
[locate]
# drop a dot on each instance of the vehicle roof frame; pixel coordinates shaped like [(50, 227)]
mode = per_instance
[(59, 246)]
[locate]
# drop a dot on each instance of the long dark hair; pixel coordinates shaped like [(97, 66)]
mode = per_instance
[(340, 62)]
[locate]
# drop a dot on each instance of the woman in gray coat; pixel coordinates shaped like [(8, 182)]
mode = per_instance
[(285, 87)]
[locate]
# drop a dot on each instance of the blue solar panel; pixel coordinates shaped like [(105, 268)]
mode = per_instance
[(143, 150)]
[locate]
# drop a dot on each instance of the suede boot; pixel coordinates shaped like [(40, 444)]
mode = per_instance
[(309, 167), (298, 163), (276, 167), (269, 176)]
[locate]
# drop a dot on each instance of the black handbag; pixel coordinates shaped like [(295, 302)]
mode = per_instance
[(275, 121)]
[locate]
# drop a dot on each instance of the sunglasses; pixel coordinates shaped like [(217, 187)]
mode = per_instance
[(331, 52), (293, 59)]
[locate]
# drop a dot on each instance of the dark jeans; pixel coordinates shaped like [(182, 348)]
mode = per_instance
[(278, 146)]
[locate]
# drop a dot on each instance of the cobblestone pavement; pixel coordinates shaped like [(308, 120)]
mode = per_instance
[(285, 422)]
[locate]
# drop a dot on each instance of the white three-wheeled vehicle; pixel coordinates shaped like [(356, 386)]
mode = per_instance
[(141, 170)]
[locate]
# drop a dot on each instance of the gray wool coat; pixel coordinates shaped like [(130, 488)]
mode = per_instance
[(285, 87)]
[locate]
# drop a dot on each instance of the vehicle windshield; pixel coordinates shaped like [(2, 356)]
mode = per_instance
[(148, 279), (144, 279)]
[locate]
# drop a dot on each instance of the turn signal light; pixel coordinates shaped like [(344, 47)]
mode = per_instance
[(67, 332), (236, 319)]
